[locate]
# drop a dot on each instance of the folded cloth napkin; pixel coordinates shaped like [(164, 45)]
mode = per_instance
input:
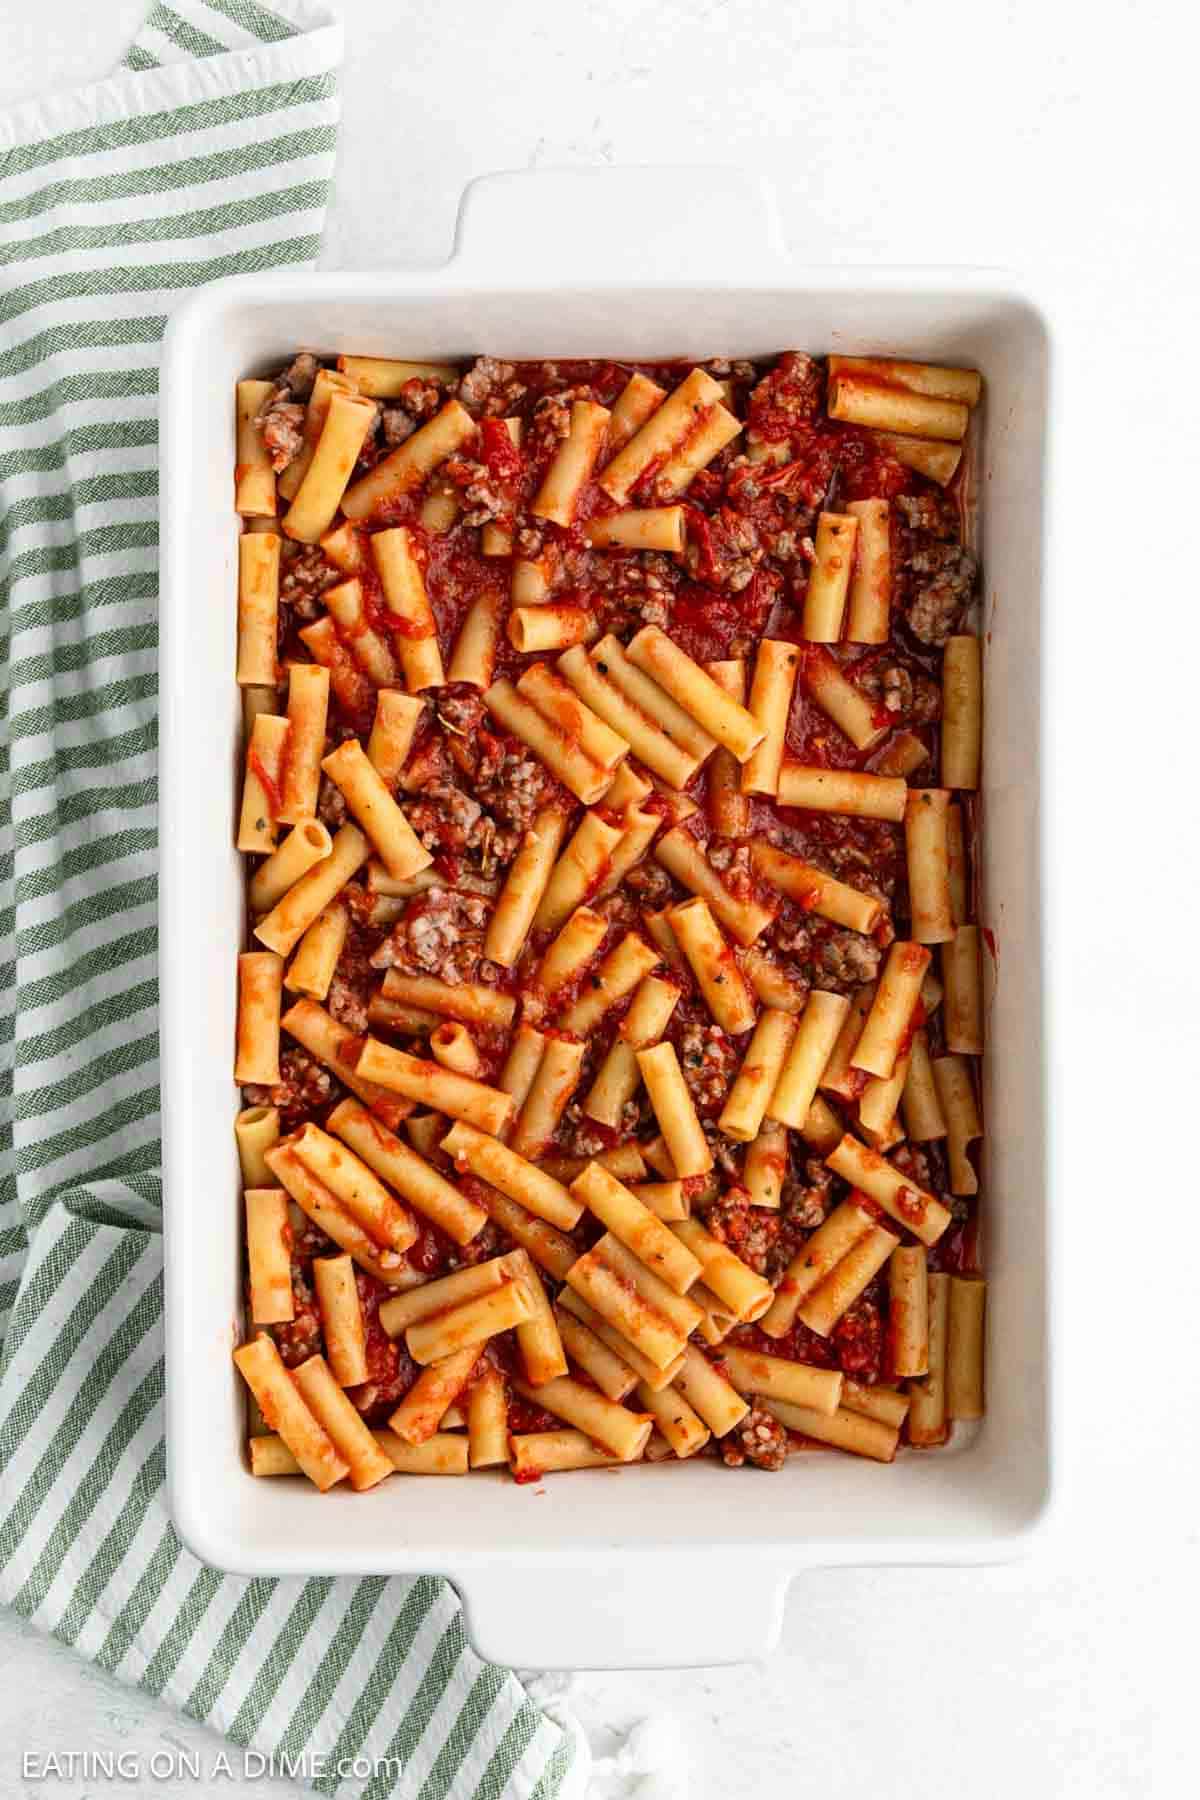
[(211, 152)]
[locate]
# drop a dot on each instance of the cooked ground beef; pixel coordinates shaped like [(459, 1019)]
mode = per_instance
[(844, 960), (331, 804), (709, 1061), (932, 513), (941, 582), (299, 1337), (303, 1087), (750, 1231), (304, 575), (396, 426), (441, 933), (489, 389), (760, 1439), (786, 399), (807, 1200)]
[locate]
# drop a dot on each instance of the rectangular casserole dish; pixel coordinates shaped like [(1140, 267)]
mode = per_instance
[(624, 1568)]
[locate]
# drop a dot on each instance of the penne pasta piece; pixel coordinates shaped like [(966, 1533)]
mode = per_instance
[(716, 428), (258, 608), (306, 844), (343, 1328), (547, 1246), (256, 1130), (638, 399), (618, 974), (521, 1065), (838, 698), (928, 858), (343, 1423), (703, 699), (808, 1057), (347, 609), (858, 796), (408, 468), (733, 1282), (879, 1100), (326, 384), (756, 1081), (260, 989), (886, 1404), (618, 1077), (285, 1412), (555, 625), (728, 806), (859, 402), (307, 712), (269, 1455), (474, 657), (927, 1419), (775, 669), (316, 500), (823, 1128), (869, 618), (513, 1175), (578, 872), (774, 986), (964, 385), (470, 1002), (674, 1110), (773, 1378), (592, 679), (650, 528), (924, 1120), (633, 1223), (614, 1428), (525, 887), (654, 1376), (821, 1309), (681, 855), (562, 755), (567, 956), (903, 752), (815, 890), (290, 917), (262, 783), (829, 577), (683, 1428), (383, 378), (403, 583), (938, 461), (662, 434), (963, 976), (538, 1453), (445, 1453), (548, 1097), (962, 711), (452, 1045), (435, 1390), (472, 1322), (625, 1308), (431, 1299), (356, 1186), (956, 859), (439, 1089), (337, 1047), (268, 1253), (908, 1311), (571, 467), (956, 1095), (843, 1429), (964, 1347), (705, 1389), (558, 702), (865, 1169), (538, 1337), (889, 1024), (312, 968), (726, 992), (254, 478), (320, 1204), (610, 1372), (487, 1420), (766, 1165)]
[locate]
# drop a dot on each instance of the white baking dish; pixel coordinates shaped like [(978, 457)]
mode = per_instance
[(642, 1565)]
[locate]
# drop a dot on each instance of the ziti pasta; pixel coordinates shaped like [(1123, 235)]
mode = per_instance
[(612, 998)]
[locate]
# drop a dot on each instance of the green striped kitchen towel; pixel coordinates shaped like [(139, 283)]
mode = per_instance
[(211, 151)]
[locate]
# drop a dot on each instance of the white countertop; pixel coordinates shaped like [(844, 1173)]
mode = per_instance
[(1059, 140)]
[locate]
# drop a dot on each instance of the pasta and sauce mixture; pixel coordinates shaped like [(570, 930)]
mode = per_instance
[(610, 1025)]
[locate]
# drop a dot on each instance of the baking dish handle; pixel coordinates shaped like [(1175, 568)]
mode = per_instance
[(647, 226), (654, 1614)]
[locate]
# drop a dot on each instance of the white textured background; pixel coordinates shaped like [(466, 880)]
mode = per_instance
[(1060, 140)]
